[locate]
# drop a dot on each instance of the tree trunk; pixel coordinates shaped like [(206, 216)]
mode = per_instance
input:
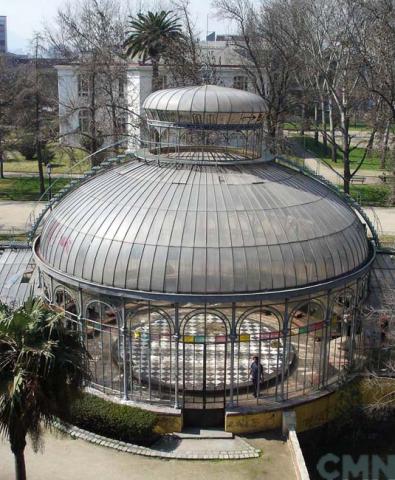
[(345, 124), (384, 146), (18, 444), (1, 163), (39, 154), (323, 121), (271, 133), (316, 123), (392, 163), (95, 137), (155, 74), (20, 467), (332, 130), (303, 120), (37, 121)]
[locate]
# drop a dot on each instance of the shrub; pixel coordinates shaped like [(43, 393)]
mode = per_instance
[(371, 194), (47, 154), (120, 422), (26, 146)]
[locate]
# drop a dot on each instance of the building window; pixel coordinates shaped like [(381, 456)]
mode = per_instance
[(240, 82), (83, 85), (84, 120), (121, 87)]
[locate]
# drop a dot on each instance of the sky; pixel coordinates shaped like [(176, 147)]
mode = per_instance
[(25, 17)]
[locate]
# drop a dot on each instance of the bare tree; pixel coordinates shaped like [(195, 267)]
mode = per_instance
[(268, 45), (379, 326), (329, 51), (376, 49), (89, 35), (185, 61), (35, 105)]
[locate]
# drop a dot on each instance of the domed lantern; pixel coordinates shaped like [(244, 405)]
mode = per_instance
[(207, 123)]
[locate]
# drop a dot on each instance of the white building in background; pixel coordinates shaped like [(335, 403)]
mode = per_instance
[(132, 90)]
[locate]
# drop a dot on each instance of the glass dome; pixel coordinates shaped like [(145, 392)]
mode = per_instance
[(202, 251)]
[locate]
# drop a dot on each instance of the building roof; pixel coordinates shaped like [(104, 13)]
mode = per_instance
[(17, 278), (205, 99), (180, 229)]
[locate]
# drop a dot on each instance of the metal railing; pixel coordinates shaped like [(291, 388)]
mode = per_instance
[(40, 211)]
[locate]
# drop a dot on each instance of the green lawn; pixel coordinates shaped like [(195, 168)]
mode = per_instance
[(15, 162), (293, 126), (372, 161), (20, 237), (26, 188), (373, 195)]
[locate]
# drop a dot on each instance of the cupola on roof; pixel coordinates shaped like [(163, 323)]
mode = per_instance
[(205, 98)]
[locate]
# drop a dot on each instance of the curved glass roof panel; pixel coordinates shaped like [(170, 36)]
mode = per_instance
[(203, 229)]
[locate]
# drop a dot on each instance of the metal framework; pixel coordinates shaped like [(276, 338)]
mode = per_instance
[(200, 253), (199, 355)]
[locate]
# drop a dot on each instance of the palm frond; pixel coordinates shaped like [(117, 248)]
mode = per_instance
[(43, 366), (150, 33)]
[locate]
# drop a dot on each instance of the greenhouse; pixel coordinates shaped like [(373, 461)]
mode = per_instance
[(201, 252)]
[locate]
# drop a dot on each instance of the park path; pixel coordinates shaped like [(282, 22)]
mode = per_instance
[(65, 459), (331, 174), (14, 215), (35, 174)]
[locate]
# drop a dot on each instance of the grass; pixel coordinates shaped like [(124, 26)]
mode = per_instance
[(21, 237), (26, 188), (372, 161), (374, 195), (293, 126), (368, 195), (61, 163)]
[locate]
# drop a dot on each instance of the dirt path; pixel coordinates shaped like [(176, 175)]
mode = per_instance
[(67, 459)]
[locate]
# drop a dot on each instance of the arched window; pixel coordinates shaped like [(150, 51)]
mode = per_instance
[(305, 338), (102, 342), (259, 334), (150, 354), (64, 299)]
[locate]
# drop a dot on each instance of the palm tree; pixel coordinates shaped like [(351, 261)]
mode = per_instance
[(150, 35), (42, 369)]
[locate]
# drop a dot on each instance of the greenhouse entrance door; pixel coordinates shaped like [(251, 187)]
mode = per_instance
[(204, 370)]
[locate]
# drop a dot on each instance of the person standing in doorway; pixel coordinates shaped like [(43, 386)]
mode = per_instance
[(256, 371)]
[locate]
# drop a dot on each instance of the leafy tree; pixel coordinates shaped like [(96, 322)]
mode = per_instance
[(149, 37), (42, 369), (8, 93)]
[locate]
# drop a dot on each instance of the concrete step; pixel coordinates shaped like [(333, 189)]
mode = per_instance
[(203, 434)]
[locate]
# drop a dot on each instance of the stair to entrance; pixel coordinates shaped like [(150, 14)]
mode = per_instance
[(203, 434), (196, 443)]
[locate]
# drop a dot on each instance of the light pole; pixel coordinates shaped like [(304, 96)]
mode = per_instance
[(49, 169)]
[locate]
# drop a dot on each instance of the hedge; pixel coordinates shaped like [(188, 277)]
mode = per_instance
[(377, 195), (112, 420)]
